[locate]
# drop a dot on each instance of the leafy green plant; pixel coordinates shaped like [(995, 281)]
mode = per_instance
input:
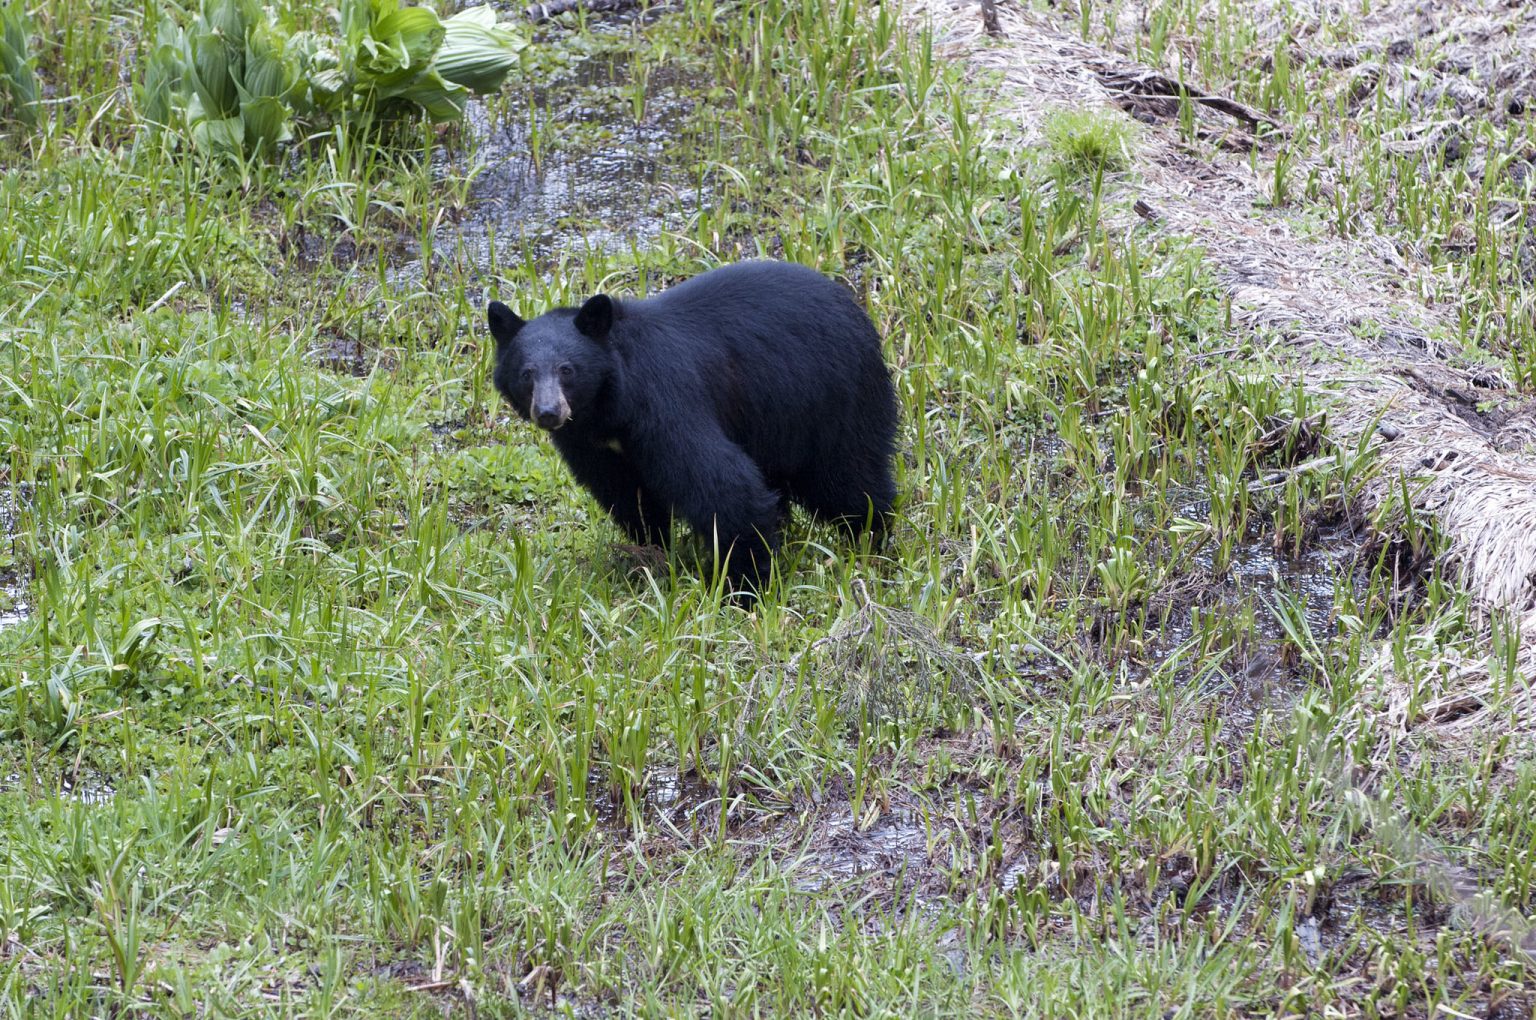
[(1090, 140), (478, 52), (226, 80), (495, 475), (18, 85), (237, 81)]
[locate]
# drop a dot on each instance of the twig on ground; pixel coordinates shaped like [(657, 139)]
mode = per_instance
[(989, 18), (555, 8), (1135, 87)]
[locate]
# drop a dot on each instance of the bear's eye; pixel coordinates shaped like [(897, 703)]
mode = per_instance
[(527, 374), (566, 371)]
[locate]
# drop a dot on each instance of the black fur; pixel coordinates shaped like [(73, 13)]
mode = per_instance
[(719, 401)]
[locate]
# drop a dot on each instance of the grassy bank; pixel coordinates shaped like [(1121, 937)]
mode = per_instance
[(334, 695)]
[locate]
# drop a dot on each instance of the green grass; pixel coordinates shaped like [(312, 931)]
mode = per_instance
[(338, 697), (1090, 141)]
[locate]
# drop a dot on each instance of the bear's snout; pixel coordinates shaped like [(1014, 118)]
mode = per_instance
[(550, 408)]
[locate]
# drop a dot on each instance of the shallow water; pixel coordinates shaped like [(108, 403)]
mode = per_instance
[(896, 843), (1260, 677), (613, 190), (14, 602), (88, 789)]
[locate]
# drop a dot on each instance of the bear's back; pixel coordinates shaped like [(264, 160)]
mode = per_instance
[(774, 290), (784, 357)]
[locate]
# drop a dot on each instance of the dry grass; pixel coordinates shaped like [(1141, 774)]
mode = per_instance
[(1347, 310)]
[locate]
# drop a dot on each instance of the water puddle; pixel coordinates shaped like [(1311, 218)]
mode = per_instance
[(577, 164), (93, 789), (1249, 659), (348, 356), (663, 788), (896, 843), (14, 604), (90, 788)]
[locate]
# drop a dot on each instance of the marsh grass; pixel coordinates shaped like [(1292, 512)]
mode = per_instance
[(1090, 141), (382, 720)]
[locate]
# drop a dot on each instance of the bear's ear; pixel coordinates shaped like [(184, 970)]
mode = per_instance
[(596, 318), (504, 324)]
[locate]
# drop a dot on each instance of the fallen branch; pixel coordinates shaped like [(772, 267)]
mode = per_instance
[(555, 8), (1134, 87), (989, 18)]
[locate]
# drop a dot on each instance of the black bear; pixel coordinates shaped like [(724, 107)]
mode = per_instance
[(720, 401)]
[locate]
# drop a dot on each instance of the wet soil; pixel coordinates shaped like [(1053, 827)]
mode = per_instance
[(1482, 399), (15, 605), (1260, 672), (349, 356), (576, 164), (91, 788), (926, 849)]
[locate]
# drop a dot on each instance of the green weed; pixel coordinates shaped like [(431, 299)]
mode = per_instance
[(1090, 141), (335, 696)]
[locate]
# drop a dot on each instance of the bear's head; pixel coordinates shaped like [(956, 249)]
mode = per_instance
[(552, 369)]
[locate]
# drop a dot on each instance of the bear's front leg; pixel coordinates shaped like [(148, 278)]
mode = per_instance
[(712, 484), (616, 483)]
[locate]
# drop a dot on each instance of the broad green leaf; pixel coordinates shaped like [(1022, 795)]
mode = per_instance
[(476, 52), (220, 135), (19, 86), (320, 79), (399, 46), (228, 18), (481, 17), (328, 84), (442, 100), (162, 79), (162, 92), (16, 78), (266, 123), (267, 69), (210, 74), (358, 16)]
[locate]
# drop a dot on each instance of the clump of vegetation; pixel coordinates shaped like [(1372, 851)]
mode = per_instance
[(18, 85), (237, 80), (1090, 141), (309, 706)]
